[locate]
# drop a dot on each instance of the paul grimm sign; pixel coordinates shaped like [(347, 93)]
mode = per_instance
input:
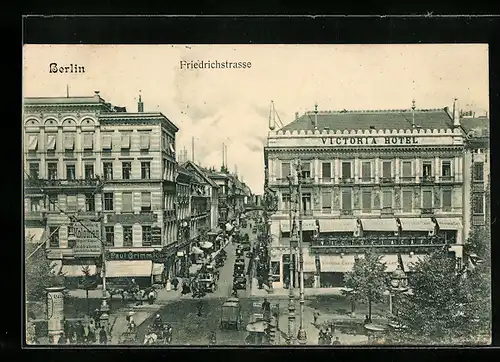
[(391, 140)]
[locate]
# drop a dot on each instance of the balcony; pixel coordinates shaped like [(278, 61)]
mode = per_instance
[(345, 212), (388, 244), (366, 180), (61, 184), (387, 211), (307, 180), (407, 178), (169, 214), (387, 180), (35, 216), (326, 180), (428, 180), (427, 211), (347, 181), (447, 178), (308, 212)]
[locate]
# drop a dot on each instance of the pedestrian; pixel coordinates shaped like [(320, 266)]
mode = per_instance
[(199, 308), (80, 332), (266, 308), (367, 320), (336, 342), (62, 338), (103, 336), (315, 316), (175, 283), (212, 338)]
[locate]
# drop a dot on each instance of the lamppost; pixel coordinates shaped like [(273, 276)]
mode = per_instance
[(270, 206), (291, 297), (399, 284), (302, 336)]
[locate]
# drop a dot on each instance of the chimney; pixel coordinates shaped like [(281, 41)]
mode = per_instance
[(456, 113), (315, 116), (96, 93), (413, 113), (140, 105), (296, 115)]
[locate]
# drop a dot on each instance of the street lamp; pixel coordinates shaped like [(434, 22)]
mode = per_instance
[(302, 336), (399, 284)]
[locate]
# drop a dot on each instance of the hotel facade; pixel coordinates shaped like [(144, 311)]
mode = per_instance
[(113, 171), (388, 180)]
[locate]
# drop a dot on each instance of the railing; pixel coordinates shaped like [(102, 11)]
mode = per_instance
[(61, 183), (407, 178), (427, 211), (345, 212), (167, 214), (447, 178), (347, 180), (366, 179), (387, 180), (307, 180), (387, 211), (426, 180)]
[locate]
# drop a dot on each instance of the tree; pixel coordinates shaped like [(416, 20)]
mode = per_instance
[(38, 273), (367, 281), (444, 305), (87, 282)]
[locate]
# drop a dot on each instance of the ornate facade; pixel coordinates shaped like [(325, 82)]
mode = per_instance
[(392, 180)]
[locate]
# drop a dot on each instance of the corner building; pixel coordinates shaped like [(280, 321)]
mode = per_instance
[(94, 161), (389, 180)]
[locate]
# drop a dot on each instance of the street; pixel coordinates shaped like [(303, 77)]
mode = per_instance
[(191, 329)]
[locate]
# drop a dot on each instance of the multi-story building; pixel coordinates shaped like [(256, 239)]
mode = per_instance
[(183, 212), (391, 180), (225, 201), (477, 165), (96, 161)]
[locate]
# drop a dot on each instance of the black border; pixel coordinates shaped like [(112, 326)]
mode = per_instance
[(272, 29)]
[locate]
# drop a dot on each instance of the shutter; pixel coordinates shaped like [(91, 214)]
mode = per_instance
[(406, 169), (127, 202), (88, 141), (51, 142), (145, 141), (125, 143), (32, 142), (146, 199), (107, 141), (69, 141), (71, 203)]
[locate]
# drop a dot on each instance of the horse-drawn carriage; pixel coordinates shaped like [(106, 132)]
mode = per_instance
[(207, 282), (129, 290), (158, 336)]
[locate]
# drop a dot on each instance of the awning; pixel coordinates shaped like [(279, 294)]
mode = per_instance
[(409, 261), (449, 223), (336, 263), (34, 235), (158, 268), (128, 268), (309, 262), (196, 250), (386, 224), (337, 225), (206, 245), (307, 225), (391, 262), (77, 270), (417, 224)]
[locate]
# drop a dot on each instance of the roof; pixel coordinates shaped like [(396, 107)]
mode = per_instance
[(373, 119), (201, 171), (476, 123)]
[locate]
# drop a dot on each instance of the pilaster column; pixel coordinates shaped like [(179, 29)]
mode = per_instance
[(377, 169), (437, 172)]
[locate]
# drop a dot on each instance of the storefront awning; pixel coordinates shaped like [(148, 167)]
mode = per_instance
[(196, 250), (388, 224), (206, 245), (158, 268), (309, 263), (336, 263), (77, 270), (449, 223), (417, 224), (307, 225), (128, 268), (409, 261), (34, 235), (391, 262), (337, 225)]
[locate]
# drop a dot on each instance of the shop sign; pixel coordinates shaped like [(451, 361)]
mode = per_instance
[(156, 236), (87, 238), (156, 256), (55, 311), (133, 218)]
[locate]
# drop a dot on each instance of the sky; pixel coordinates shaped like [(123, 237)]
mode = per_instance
[(231, 106)]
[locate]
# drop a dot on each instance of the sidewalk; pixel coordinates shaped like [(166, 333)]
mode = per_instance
[(282, 292)]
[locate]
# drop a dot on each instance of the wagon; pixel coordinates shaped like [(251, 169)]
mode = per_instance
[(231, 314)]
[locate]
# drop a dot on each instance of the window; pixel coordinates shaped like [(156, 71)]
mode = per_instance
[(145, 201), (285, 170), (346, 170), (427, 170), (146, 236), (366, 201), (285, 200), (89, 202), (108, 201), (387, 169), (36, 204), (108, 170), (52, 170), (446, 169), (71, 203), (145, 170), (306, 203), (127, 203), (144, 139), (88, 141), (275, 271), (407, 201), (446, 200), (110, 235), (346, 200), (326, 171), (126, 170), (326, 202), (89, 171), (478, 204), (125, 143), (34, 170), (52, 203), (51, 142), (69, 142), (478, 171), (407, 170), (427, 199), (32, 142), (70, 172), (305, 170), (107, 141), (366, 171), (54, 237), (387, 200), (127, 236)]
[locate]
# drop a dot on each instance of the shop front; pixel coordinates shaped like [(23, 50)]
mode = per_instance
[(145, 267)]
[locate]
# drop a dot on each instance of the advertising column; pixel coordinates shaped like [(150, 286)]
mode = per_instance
[(55, 312)]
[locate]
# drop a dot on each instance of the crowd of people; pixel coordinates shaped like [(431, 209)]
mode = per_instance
[(90, 333)]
